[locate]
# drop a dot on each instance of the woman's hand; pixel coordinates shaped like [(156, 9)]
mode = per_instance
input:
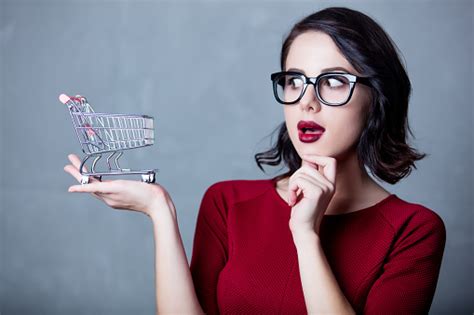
[(151, 199), (310, 189)]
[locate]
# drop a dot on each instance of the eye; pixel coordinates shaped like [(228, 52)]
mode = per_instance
[(294, 82), (335, 82)]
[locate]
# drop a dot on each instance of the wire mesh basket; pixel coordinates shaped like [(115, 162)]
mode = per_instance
[(102, 133)]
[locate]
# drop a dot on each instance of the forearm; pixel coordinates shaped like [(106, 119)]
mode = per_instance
[(175, 292), (322, 293)]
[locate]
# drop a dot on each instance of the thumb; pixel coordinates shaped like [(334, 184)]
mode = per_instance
[(310, 164)]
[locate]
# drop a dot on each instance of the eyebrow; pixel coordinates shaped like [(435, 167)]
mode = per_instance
[(323, 70)]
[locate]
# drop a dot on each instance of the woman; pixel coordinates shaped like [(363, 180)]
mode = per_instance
[(323, 237)]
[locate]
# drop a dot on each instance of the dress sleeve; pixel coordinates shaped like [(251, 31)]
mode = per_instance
[(210, 248), (410, 273)]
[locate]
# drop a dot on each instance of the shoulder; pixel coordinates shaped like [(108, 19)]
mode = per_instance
[(238, 190), (413, 219)]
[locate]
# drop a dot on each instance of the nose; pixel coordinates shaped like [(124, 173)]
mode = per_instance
[(310, 99)]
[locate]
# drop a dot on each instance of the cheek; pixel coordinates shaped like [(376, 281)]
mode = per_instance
[(291, 122), (345, 130)]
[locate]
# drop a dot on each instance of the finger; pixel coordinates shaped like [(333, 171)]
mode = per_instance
[(309, 169), (76, 161), (73, 171), (314, 182), (328, 164), (295, 189), (95, 187), (78, 176), (309, 163), (295, 193), (298, 184), (98, 196)]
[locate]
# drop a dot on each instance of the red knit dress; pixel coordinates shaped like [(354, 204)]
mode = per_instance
[(386, 258)]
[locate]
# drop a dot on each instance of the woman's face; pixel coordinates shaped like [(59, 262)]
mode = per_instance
[(311, 52)]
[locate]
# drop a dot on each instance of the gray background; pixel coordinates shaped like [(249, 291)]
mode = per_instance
[(202, 70)]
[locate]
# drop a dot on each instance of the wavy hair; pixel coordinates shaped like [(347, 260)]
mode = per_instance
[(382, 146)]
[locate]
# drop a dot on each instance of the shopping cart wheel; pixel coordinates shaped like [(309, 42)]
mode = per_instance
[(148, 178), (99, 178), (85, 179)]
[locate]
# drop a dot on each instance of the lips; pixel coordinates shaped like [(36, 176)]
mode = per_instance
[(308, 125), (309, 131)]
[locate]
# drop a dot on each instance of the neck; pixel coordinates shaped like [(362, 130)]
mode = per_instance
[(355, 189), (352, 180)]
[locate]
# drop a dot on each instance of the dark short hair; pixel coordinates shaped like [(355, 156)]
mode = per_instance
[(382, 146)]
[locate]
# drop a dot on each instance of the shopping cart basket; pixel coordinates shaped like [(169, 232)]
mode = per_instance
[(101, 133)]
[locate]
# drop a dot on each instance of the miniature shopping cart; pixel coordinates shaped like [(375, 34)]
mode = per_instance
[(101, 133)]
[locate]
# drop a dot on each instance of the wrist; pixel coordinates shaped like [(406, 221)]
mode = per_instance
[(159, 210), (304, 237), (164, 223)]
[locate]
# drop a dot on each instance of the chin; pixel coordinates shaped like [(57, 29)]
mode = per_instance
[(308, 150)]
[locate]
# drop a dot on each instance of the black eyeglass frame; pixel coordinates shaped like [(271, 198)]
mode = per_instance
[(353, 79)]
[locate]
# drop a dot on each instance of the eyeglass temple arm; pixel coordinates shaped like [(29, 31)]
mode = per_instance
[(363, 80)]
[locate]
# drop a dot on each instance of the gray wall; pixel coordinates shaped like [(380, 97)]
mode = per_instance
[(202, 70)]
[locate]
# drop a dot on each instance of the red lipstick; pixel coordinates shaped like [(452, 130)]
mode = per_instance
[(309, 131)]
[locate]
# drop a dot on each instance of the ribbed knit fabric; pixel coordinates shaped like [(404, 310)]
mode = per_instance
[(386, 258)]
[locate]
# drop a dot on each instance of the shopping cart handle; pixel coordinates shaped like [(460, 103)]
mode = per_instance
[(64, 98)]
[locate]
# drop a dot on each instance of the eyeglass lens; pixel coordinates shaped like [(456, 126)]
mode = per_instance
[(333, 88)]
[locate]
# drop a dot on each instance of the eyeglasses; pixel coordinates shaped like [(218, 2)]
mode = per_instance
[(332, 88)]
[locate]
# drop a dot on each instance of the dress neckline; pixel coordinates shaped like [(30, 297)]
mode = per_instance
[(385, 200)]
